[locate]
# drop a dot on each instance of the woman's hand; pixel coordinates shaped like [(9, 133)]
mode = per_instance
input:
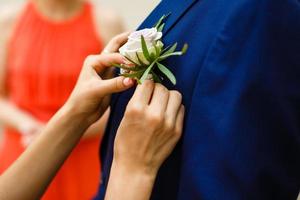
[(150, 129), (37, 166), (91, 94)]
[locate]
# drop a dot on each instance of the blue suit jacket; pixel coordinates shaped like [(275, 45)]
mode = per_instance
[(240, 81)]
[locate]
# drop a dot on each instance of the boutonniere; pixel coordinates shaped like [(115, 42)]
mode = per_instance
[(145, 53)]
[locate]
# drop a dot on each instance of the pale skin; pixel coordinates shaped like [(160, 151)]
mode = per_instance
[(107, 25), (150, 129)]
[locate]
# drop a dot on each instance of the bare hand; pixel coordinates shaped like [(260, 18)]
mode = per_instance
[(90, 96), (150, 129)]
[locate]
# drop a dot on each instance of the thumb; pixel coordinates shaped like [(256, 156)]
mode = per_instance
[(114, 85)]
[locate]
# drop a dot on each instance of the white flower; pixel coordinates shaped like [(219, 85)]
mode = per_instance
[(133, 47)]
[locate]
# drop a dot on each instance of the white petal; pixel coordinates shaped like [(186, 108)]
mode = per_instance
[(158, 36)]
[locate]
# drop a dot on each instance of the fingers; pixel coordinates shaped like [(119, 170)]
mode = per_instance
[(159, 101), (114, 85), (143, 93), (174, 105), (108, 74), (116, 43), (179, 121), (100, 62)]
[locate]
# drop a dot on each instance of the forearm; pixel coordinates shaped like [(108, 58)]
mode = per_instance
[(13, 117), (97, 129), (128, 184), (38, 165)]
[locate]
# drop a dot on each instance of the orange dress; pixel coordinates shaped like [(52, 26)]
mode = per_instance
[(44, 61)]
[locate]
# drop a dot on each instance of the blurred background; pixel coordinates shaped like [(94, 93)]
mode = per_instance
[(132, 12)]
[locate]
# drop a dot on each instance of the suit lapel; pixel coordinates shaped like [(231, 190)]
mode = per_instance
[(176, 8)]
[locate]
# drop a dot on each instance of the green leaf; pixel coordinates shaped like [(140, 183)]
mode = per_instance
[(171, 50), (116, 65), (143, 78), (134, 75), (153, 56), (140, 60), (156, 78), (145, 49), (157, 24), (127, 57), (157, 51), (158, 48), (177, 53), (184, 48), (161, 28), (138, 81), (167, 72), (166, 49)]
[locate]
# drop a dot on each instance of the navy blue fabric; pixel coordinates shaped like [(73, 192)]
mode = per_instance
[(240, 81)]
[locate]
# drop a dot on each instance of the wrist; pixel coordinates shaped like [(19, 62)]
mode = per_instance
[(143, 173), (125, 183), (70, 112)]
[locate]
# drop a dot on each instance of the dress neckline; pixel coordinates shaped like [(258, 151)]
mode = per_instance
[(76, 17)]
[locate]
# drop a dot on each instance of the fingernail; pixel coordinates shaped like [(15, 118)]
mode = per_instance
[(127, 81)]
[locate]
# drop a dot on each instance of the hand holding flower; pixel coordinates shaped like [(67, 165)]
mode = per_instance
[(144, 49), (150, 129), (95, 84)]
